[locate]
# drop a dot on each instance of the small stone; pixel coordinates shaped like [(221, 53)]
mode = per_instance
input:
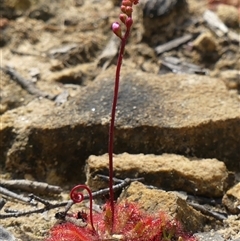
[(231, 78), (29, 177), (205, 43), (41, 13), (6, 235), (228, 14), (209, 236), (154, 201), (162, 16), (3, 108), (207, 177), (66, 76), (232, 199)]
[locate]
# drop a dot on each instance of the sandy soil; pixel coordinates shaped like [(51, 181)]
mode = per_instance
[(41, 38)]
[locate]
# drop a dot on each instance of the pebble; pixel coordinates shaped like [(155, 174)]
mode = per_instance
[(205, 43), (6, 235), (228, 14), (232, 199)]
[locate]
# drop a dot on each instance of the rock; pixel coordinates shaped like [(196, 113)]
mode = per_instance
[(232, 199), (72, 75), (12, 95), (41, 13), (154, 201), (231, 78), (168, 171), (6, 235), (205, 43), (184, 114), (230, 229), (77, 75), (209, 236), (228, 14), (74, 54), (15, 8), (162, 16)]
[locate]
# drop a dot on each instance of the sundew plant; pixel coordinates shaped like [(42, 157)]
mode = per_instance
[(123, 221)]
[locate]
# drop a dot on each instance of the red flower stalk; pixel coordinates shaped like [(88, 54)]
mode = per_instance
[(126, 18)]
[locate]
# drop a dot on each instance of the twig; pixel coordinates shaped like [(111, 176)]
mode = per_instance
[(173, 44), (215, 23), (15, 213), (31, 186), (176, 65), (218, 27), (14, 195), (116, 187), (207, 212), (26, 84), (204, 200), (117, 180), (25, 53), (41, 200), (109, 53), (68, 204)]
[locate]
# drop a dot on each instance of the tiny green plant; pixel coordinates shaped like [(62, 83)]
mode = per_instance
[(118, 221)]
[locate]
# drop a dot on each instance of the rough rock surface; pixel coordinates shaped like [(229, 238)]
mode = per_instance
[(207, 177), (185, 114), (205, 43), (228, 14), (5, 235), (231, 78), (158, 14), (209, 236), (232, 199), (155, 201)]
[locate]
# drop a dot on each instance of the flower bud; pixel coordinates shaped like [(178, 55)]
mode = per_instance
[(123, 17), (116, 28), (127, 3), (123, 9), (129, 11), (129, 22)]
